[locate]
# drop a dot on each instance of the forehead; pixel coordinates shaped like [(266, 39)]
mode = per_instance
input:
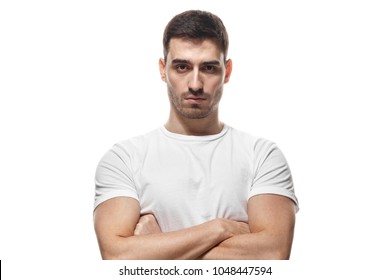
[(194, 50)]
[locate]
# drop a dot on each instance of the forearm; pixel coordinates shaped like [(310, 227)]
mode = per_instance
[(188, 243), (261, 245)]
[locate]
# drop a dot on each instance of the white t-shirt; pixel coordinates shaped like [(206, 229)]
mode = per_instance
[(187, 180)]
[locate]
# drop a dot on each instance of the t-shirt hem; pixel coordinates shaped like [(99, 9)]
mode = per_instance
[(276, 191), (106, 197)]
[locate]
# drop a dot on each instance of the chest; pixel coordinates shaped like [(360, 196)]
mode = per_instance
[(188, 185)]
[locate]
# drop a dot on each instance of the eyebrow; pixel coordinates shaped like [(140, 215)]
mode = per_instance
[(184, 61), (212, 62)]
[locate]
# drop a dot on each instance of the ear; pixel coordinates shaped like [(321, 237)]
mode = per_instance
[(161, 64), (228, 70)]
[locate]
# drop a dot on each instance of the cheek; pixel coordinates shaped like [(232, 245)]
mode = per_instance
[(176, 84), (215, 86)]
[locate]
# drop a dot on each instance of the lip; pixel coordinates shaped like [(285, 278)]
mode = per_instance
[(195, 100)]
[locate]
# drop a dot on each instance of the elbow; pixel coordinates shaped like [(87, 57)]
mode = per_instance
[(119, 254), (279, 254), (107, 255), (111, 257), (274, 253), (116, 256), (282, 255), (115, 249)]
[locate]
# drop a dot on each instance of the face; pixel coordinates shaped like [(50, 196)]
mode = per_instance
[(195, 72)]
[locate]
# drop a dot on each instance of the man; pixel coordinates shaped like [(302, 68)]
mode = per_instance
[(194, 188)]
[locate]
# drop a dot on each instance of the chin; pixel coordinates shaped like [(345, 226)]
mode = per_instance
[(195, 114)]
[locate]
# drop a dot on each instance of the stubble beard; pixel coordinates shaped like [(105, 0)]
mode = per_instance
[(195, 111)]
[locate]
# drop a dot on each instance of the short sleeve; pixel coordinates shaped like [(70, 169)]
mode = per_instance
[(113, 176), (272, 173)]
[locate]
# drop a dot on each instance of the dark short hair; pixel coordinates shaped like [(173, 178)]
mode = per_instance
[(197, 25)]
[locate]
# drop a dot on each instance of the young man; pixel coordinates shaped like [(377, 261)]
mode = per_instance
[(194, 188)]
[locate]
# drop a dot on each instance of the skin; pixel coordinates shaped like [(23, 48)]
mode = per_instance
[(195, 73)]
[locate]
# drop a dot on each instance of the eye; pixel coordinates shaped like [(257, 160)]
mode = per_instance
[(181, 67), (209, 68)]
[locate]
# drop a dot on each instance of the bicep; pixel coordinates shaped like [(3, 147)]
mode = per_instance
[(273, 215), (116, 217), (272, 212)]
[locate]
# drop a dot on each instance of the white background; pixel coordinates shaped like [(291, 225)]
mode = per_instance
[(78, 76)]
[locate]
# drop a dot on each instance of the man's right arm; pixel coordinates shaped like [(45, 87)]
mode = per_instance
[(116, 219)]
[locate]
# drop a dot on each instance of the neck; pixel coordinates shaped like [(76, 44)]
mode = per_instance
[(198, 127)]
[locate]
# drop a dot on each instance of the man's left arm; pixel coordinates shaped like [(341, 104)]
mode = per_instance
[(271, 221)]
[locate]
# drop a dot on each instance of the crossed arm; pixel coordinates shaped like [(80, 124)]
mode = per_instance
[(123, 234)]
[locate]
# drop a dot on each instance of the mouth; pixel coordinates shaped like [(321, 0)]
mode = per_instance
[(194, 99)]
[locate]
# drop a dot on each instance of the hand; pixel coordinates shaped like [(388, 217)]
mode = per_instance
[(147, 224), (232, 228)]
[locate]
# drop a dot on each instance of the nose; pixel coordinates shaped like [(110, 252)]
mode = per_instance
[(195, 83)]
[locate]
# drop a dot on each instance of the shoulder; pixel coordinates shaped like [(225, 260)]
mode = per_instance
[(258, 149), (138, 142), (255, 143), (131, 148)]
